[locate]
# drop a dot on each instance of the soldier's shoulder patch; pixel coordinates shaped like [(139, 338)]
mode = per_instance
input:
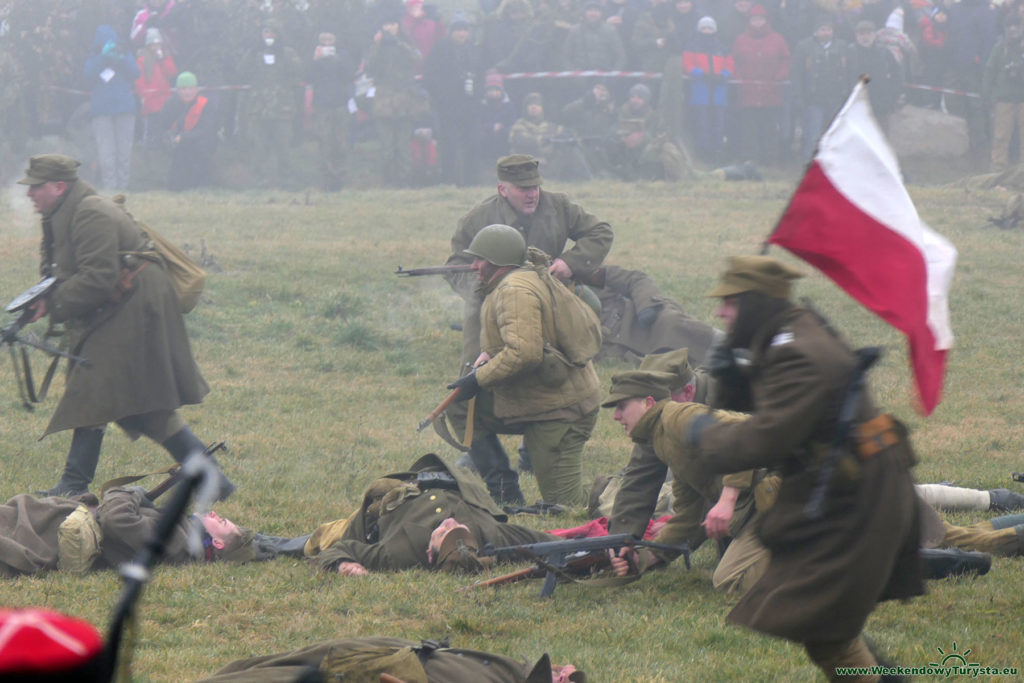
[(785, 337)]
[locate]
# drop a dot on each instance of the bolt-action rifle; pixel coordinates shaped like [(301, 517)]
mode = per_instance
[(569, 559), (435, 270), (11, 335)]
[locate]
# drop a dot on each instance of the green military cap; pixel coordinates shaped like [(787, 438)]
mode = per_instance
[(756, 274), (44, 168), (638, 384), (676, 363), (521, 170)]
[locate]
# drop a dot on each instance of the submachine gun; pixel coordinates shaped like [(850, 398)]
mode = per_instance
[(570, 558), (11, 335)]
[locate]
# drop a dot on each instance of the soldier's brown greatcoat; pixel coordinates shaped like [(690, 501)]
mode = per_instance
[(826, 575), (139, 356)]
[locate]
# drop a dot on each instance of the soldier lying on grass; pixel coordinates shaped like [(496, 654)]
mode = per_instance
[(79, 534)]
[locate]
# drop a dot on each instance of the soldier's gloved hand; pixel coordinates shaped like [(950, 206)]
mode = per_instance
[(645, 317), (467, 386), (726, 365)]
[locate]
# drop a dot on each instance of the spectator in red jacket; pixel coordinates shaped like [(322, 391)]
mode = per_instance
[(762, 60), (934, 52), (153, 86)]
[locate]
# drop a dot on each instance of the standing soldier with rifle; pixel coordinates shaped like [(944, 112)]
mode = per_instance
[(536, 385), (832, 563), (122, 314), (546, 220)]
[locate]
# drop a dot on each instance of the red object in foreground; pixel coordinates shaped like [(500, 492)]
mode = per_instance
[(46, 642)]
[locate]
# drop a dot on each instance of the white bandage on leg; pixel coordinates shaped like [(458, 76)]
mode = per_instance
[(953, 497)]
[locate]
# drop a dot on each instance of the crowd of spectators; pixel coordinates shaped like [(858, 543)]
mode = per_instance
[(444, 94)]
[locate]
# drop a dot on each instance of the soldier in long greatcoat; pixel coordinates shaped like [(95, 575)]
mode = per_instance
[(819, 587), (121, 314)]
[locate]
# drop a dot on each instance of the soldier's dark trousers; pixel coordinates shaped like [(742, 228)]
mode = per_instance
[(828, 655), (491, 460), (80, 466), (183, 443)]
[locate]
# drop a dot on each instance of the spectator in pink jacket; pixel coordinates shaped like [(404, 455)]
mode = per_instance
[(153, 86), (761, 57)]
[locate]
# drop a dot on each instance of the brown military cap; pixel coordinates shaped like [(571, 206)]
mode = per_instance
[(520, 170), (638, 384), (458, 553), (675, 363), (44, 168), (756, 274)]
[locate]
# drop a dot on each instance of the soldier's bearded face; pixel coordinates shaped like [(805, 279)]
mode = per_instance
[(523, 199), (727, 311)]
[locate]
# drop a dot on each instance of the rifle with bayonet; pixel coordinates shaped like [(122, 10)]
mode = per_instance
[(11, 335), (435, 270), (569, 559)]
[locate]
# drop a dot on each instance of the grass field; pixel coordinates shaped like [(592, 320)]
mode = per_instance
[(322, 363)]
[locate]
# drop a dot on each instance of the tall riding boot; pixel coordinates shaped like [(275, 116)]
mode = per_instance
[(938, 563), (80, 466), (491, 461), (183, 444)]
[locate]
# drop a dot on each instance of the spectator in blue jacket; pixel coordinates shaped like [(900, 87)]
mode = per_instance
[(109, 74), (709, 66)]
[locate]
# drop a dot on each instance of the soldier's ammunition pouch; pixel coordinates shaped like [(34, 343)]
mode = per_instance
[(78, 541), (554, 367), (880, 433)]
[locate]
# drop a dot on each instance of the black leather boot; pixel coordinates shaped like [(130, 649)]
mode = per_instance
[(80, 466), (492, 463), (184, 443), (938, 563), (1005, 500)]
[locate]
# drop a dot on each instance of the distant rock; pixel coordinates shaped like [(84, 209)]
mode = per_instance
[(929, 133)]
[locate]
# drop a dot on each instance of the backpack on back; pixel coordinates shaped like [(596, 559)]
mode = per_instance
[(577, 324)]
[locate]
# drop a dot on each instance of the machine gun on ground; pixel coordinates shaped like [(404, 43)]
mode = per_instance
[(569, 559), (11, 336)]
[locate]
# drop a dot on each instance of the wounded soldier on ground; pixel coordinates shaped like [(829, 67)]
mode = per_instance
[(79, 534), (430, 517), (637, 319), (393, 660)]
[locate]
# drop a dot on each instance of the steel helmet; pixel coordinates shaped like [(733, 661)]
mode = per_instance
[(502, 245)]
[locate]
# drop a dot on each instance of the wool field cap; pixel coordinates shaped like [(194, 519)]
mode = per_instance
[(756, 274), (638, 384), (458, 553), (522, 170), (675, 363), (44, 168)]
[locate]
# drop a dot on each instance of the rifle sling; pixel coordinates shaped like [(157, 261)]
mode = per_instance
[(441, 428), (118, 482)]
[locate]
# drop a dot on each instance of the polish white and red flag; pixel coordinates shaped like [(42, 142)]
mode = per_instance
[(851, 218)]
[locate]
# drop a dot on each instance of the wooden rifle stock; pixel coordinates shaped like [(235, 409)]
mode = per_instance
[(435, 270), (441, 407)]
